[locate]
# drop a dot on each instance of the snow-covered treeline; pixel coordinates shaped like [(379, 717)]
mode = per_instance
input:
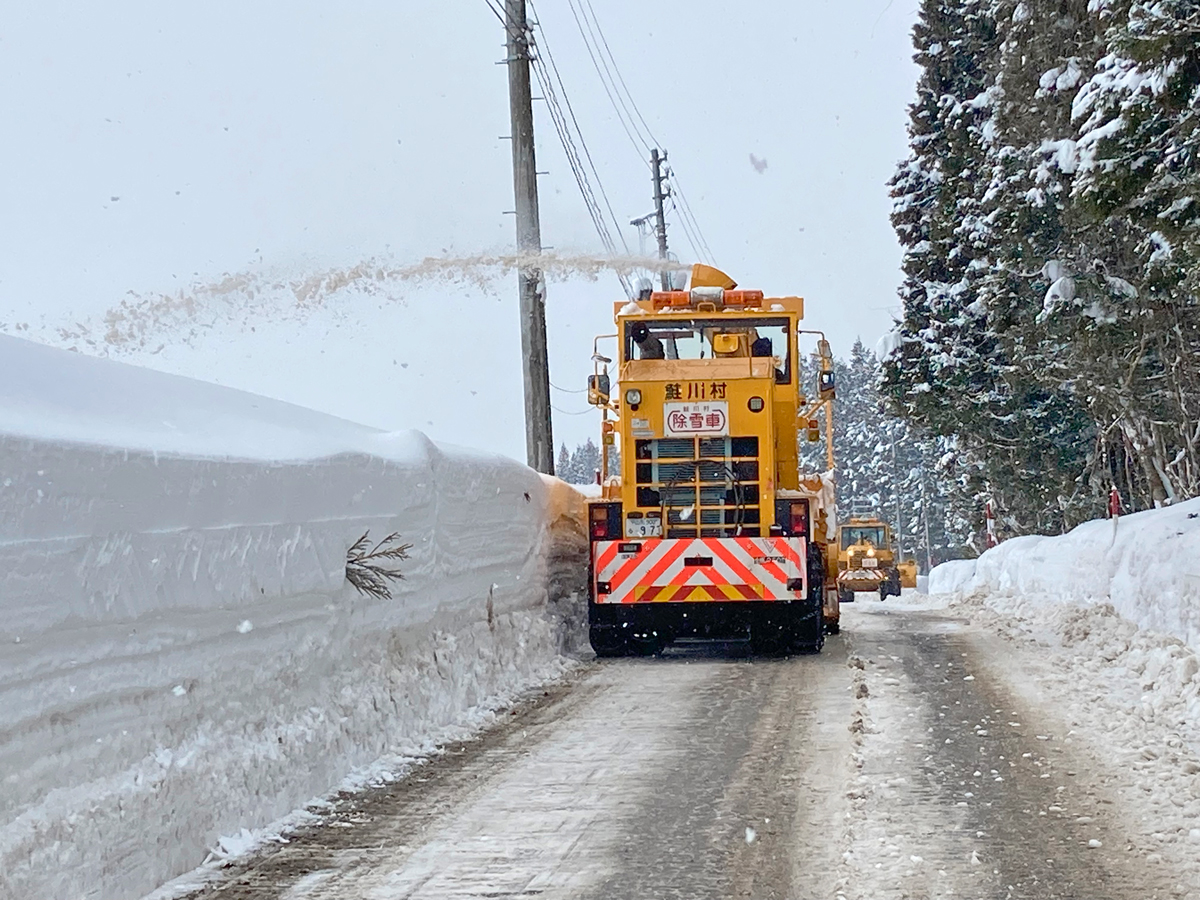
[(579, 466), (181, 655), (1050, 213), (889, 467)]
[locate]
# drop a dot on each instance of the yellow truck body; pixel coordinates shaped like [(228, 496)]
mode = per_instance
[(709, 526)]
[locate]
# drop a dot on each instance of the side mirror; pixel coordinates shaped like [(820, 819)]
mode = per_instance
[(598, 389), (826, 384)]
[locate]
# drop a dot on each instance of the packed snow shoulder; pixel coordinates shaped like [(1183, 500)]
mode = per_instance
[(1147, 565), (181, 656)]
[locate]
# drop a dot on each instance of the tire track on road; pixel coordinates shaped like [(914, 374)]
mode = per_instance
[(965, 788)]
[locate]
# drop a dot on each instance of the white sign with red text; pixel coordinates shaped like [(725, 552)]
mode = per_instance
[(696, 418)]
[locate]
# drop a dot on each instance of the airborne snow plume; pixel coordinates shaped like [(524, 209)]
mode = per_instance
[(142, 320)]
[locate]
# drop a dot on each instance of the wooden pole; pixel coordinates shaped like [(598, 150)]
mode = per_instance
[(539, 438)]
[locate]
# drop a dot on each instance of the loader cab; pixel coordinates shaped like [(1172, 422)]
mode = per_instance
[(864, 542), (874, 536)]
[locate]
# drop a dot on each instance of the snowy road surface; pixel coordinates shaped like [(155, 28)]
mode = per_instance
[(915, 757)]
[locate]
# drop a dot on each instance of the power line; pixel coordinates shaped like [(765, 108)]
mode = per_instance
[(621, 78), (497, 13), (687, 233), (573, 159), (594, 39), (581, 178), (686, 209), (585, 32), (628, 114), (579, 131)]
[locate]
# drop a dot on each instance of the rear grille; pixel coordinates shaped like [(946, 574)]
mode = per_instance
[(671, 448), (706, 486)]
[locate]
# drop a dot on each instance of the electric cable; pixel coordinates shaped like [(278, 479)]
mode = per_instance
[(683, 223), (653, 140), (579, 131), (594, 29), (577, 170), (563, 130), (686, 209), (608, 90), (633, 123)]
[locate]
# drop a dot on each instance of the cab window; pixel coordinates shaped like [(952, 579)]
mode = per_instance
[(852, 536), (709, 338)]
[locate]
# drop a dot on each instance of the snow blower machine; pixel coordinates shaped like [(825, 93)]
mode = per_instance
[(709, 530)]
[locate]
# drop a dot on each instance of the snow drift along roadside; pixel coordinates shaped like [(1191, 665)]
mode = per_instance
[(1147, 565), (180, 655)]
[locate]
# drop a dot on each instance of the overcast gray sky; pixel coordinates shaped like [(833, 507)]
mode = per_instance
[(152, 147)]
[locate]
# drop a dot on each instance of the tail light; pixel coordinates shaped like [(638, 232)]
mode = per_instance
[(604, 521), (799, 517), (791, 517)]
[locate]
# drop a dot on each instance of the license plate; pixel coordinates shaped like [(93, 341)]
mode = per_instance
[(870, 563), (643, 528)]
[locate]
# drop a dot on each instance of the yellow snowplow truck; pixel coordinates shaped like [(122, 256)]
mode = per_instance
[(709, 530), (866, 560)]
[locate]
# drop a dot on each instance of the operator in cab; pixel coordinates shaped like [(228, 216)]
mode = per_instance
[(649, 347)]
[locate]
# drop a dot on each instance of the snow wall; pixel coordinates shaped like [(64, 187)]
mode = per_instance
[(180, 653), (1147, 566)]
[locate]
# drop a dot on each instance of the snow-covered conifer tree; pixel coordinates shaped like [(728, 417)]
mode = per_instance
[(563, 464), (889, 468), (1134, 325)]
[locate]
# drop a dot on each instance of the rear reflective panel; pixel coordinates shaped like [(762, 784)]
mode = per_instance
[(703, 569)]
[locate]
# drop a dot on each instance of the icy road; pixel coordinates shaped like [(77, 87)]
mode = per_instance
[(919, 756)]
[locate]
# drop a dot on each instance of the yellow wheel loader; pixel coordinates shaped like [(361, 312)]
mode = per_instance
[(867, 562)]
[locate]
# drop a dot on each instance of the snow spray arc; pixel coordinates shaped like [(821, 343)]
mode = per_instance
[(140, 321)]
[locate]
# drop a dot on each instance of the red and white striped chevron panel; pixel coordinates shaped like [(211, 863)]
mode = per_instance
[(695, 570)]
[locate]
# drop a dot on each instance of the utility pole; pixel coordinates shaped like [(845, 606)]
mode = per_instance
[(539, 439), (660, 219)]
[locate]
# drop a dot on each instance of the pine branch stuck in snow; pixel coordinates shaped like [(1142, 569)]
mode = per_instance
[(365, 567)]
